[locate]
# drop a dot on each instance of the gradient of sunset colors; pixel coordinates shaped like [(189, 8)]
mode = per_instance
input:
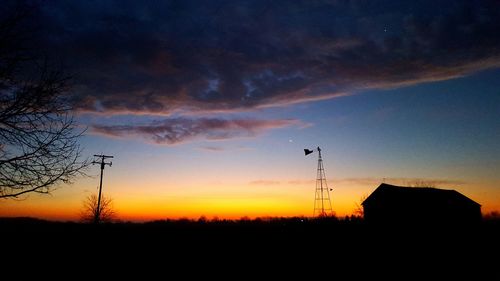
[(207, 106)]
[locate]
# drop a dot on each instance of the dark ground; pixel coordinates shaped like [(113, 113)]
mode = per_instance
[(253, 249)]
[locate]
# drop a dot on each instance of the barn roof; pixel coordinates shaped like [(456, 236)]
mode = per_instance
[(386, 192)]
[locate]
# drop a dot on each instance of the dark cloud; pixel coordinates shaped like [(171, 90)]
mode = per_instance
[(179, 130), (159, 57)]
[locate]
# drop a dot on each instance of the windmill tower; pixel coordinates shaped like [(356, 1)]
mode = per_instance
[(322, 203)]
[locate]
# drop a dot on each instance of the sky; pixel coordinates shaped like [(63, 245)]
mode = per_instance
[(207, 106)]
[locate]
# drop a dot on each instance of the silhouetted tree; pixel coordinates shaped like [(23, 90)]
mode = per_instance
[(38, 134), (202, 219), (421, 183), (493, 215), (358, 210), (106, 212)]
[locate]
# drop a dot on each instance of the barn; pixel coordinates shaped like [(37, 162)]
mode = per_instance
[(400, 204)]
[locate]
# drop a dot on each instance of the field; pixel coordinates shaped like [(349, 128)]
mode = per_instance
[(274, 245)]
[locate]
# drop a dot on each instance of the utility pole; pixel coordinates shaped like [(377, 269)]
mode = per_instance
[(103, 163)]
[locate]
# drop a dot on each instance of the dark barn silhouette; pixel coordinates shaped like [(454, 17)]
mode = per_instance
[(398, 204)]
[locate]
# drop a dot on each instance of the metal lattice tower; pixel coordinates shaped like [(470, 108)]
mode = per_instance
[(322, 202)]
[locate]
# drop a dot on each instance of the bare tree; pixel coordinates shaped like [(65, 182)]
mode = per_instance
[(38, 135), (90, 211), (421, 183), (358, 210)]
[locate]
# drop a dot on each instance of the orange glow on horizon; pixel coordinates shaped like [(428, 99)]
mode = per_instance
[(294, 198)]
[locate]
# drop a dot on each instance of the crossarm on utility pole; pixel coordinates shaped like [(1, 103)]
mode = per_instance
[(103, 164)]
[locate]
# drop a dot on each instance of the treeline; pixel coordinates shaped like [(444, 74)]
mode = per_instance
[(490, 218)]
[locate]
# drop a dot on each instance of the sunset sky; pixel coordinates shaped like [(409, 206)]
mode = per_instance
[(207, 106)]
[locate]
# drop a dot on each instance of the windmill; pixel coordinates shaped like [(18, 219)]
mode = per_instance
[(322, 203)]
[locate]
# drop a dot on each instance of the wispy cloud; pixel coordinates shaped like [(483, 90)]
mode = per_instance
[(376, 181), (428, 182), (300, 182), (190, 56), (209, 148), (212, 148), (264, 182), (179, 130)]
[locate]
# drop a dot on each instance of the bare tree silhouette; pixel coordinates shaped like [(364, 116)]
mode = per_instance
[(38, 134), (106, 212), (358, 210), (421, 183)]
